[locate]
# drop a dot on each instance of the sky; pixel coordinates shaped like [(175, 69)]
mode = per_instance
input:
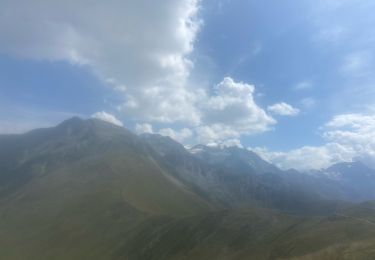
[(291, 80)]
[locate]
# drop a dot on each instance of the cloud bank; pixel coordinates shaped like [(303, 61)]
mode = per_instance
[(231, 112), (177, 135), (138, 47), (141, 50), (349, 137)]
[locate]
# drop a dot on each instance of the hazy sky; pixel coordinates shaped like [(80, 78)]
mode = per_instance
[(292, 80)]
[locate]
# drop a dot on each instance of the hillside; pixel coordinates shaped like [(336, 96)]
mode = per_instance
[(256, 234), (87, 189), (78, 182)]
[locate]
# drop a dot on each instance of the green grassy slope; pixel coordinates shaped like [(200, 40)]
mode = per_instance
[(252, 234), (349, 234), (79, 204)]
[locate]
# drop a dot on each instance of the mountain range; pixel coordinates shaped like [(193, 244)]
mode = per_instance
[(87, 189)]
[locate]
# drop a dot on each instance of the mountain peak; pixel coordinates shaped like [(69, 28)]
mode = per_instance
[(80, 127), (78, 122), (73, 121)]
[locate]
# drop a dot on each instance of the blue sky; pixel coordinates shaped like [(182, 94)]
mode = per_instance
[(291, 80)]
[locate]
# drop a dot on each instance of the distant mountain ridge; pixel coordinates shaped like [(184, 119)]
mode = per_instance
[(204, 168), (87, 189), (348, 181)]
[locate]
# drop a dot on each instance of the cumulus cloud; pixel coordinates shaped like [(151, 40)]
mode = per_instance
[(139, 47), (306, 157), (349, 137), (216, 133), (107, 118), (143, 128), (283, 109), (354, 131), (231, 112), (227, 143), (179, 136), (354, 121), (226, 115)]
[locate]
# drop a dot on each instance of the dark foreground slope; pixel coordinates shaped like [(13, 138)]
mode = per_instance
[(90, 190), (256, 234)]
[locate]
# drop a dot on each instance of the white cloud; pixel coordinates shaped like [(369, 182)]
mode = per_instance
[(107, 118), (356, 121), (139, 47), (164, 104), (283, 109), (179, 136), (306, 157), (216, 133), (316, 157), (225, 116), (231, 112), (354, 131), (349, 137), (231, 143), (226, 143), (143, 128)]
